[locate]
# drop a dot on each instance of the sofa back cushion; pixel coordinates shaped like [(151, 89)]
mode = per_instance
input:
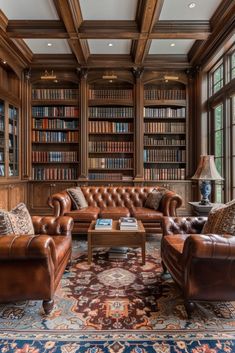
[(17, 221), (117, 196), (221, 220)]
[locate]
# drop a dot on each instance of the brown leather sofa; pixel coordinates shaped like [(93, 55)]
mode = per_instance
[(31, 266), (202, 265), (115, 202)]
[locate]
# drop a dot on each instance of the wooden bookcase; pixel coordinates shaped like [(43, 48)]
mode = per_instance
[(12, 189), (55, 133), (165, 114), (111, 132)]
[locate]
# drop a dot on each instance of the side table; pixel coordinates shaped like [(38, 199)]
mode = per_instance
[(202, 210)]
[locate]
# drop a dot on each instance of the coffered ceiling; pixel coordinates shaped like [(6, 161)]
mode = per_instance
[(115, 33)]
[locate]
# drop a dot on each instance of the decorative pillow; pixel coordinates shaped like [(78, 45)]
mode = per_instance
[(16, 221), (221, 220), (154, 198), (77, 197)]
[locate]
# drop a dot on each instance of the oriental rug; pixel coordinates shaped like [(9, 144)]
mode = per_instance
[(117, 306)]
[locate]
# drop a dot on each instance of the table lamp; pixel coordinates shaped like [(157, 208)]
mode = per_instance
[(206, 171)]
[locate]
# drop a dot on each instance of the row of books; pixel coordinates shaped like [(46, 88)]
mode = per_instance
[(12, 112), (164, 155), (111, 146), (55, 156), (113, 163), (54, 112), (164, 173), (164, 112), (125, 94), (105, 176), (111, 112), (54, 124), (164, 94), (13, 129), (54, 93), (54, 136), (153, 141), (164, 127), (107, 126), (41, 173)]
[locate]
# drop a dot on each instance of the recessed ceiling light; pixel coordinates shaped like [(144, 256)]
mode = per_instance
[(172, 44), (4, 62), (49, 44), (110, 44), (192, 5)]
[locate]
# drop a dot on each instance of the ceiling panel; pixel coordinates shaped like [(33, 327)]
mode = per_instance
[(179, 9), (101, 46), (23, 9), (39, 46), (108, 9), (163, 46)]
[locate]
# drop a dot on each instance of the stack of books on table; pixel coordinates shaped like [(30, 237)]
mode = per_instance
[(103, 224), (118, 253), (128, 223)]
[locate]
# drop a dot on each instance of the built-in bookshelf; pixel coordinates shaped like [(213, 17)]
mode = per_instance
[(111, 132), (2, 139), (165, 114), (13, 140), (55, 123)]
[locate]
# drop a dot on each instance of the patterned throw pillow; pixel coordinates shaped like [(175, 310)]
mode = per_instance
[(77, 197), (154, 198), (221, 220), (16, 221)]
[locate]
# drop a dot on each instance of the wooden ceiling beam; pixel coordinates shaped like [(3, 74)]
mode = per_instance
[(54, 61), (198, 30), (223, 27), (36, 29), (70, 13), (109, 29), (147, 15)]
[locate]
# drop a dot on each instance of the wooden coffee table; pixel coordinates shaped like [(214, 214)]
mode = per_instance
[(116, 237)]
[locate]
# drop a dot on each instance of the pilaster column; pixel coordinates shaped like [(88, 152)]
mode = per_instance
[(25, 127), (83, 125), (139, 125)]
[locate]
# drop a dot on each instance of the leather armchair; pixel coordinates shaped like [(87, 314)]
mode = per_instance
[(31, 266), (202, 265)]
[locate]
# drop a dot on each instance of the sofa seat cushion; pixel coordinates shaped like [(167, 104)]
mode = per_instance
[(63, 245), (87, 214), (114, 212), (146, 214)]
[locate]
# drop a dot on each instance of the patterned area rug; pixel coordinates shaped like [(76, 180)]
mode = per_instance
[(117, 306)]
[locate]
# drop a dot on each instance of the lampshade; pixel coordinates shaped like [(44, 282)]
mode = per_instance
[(206, 169)]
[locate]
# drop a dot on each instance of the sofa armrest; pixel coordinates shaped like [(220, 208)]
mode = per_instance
[(52, 225), (183, 225), (170, 202), (25, 247), (60, 202), (209, 246)]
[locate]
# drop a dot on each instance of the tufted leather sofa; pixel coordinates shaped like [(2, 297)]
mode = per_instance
[(31, 266), (115, 202), (202, 265)]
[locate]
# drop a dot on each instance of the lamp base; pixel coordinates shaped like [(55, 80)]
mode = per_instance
[(205, 189)]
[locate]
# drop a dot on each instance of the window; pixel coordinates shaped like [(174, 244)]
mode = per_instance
[(232, 65), (221, 124), (233, 146), (218, 148), (217, 79)]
